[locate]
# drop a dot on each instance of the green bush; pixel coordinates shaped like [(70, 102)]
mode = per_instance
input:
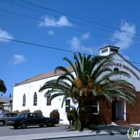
[(55, 114), (25, 111), (38, 111)]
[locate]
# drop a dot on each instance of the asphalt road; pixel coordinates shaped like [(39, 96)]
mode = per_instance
[(10, 131)]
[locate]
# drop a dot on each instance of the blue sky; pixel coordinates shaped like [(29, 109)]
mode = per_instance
[(56, 25)]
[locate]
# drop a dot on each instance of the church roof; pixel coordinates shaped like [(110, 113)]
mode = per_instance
[(42, 76)]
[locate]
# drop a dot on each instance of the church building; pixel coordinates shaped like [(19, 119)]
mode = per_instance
[(26, 94)]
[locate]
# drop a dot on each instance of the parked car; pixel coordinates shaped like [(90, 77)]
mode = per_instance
[(5, 116), (30, 119)]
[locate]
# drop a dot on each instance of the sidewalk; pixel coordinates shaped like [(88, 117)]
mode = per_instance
[(54, 135)]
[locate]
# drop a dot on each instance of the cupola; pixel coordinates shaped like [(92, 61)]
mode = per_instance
[(108, 50)]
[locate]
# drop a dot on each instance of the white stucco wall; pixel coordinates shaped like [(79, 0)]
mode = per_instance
[(29, 89)]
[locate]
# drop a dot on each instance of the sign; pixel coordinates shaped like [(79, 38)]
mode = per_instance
[(131, 133), (122, 66)]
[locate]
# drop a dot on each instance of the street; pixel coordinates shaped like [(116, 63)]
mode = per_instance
[(10, 131)]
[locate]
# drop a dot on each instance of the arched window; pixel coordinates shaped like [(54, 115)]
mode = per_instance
[(35, 99), (24, 100), (116, 69)]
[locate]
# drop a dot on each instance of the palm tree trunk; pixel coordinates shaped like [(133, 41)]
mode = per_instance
[(85, 115)]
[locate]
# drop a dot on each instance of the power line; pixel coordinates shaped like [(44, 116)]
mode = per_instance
[(71, 15), (54, 16), (48, 47), (69, 27), (13, 2)]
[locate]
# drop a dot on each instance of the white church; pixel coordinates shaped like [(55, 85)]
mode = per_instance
[(26, 94)]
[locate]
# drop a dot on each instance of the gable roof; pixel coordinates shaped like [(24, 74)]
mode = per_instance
[(42, 76)]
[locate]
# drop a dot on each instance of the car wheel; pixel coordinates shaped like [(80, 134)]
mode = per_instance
[(23, 125), (41, 125), (16, 126), (2, 123), (50, 123)]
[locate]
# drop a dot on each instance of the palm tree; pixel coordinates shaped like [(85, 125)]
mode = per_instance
[(2, 86), (90, 82)]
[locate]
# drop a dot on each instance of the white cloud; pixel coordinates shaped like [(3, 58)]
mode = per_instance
[(76, 45), (17, 59), (124, 38), (85, 36), (51, 21), (51, 32), (5, 34)]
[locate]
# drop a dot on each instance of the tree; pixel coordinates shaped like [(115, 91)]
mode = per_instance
[(2, 86), (90, 82)]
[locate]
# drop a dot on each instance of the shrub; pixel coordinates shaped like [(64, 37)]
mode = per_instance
[(55, 114), (16, 111), (25, 111), (38, 111)]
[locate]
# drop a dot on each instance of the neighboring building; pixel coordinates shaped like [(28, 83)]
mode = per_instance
[(26, 95), (6, 104), (1, 105)]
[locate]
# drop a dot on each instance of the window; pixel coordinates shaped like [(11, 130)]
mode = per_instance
[(31, 115), (23, 115), (114, 50), (48, 100), (24, 100), (104, 50), (35, 99), (67, 105), (14, 115), (37, 115), (95, 107)]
